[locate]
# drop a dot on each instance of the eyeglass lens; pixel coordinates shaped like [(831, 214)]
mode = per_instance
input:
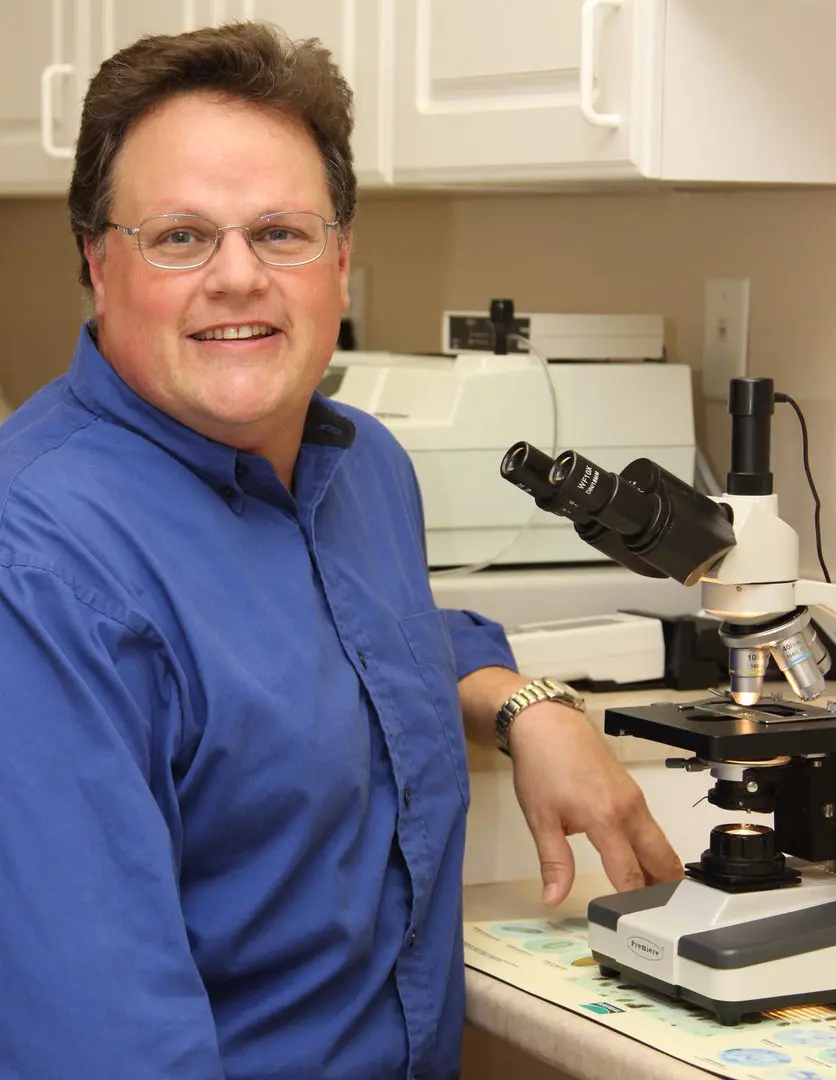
[(183, 240)]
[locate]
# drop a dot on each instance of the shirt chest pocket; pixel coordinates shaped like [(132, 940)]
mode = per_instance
[(428, 639)]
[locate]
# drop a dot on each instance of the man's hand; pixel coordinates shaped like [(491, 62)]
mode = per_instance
[(568, 781)]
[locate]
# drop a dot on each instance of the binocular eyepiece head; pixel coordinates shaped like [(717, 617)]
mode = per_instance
[(644, 517)]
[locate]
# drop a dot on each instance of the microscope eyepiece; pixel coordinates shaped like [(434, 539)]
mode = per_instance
[(544, 479), (562, 467), (585, 488), (529, 469), (644, 517)]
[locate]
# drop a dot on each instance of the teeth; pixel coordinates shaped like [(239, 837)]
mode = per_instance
[(235, 333)]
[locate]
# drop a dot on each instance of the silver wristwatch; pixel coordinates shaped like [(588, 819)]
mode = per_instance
[(544, 689)]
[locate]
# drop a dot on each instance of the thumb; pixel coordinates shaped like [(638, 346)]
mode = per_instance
[(557, 864)]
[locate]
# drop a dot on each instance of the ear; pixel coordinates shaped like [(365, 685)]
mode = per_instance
[(94, 252), (344, 265)]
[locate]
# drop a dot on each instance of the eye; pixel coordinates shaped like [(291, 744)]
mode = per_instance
[(181, 237), (182, 233), (280, 234)]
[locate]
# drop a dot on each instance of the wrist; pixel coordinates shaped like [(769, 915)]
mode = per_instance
[(542, 723)]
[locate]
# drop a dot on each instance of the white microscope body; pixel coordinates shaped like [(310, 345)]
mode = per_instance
[(748, 929), (740, 952)]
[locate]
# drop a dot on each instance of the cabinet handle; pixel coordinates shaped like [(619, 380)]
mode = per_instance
[(587, 73), (48, 77)]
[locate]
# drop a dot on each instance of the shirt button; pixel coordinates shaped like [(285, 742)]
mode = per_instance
[(413, 937), (362, 658), (240, 471), (227, 493), (407, 797)]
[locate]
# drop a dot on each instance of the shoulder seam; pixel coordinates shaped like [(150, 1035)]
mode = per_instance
[(92, 599), (42, 453)]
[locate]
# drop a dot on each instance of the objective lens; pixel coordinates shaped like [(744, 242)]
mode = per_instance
[(747, 668), (796, 657)]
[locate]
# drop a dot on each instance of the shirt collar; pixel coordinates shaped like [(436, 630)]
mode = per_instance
[(99, 388)]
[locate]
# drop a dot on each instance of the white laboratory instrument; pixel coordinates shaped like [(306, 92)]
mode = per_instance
[(559, 336), (748, 929), (455, 416), (615, 648)]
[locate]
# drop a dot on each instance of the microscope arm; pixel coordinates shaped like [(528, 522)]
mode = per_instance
[(818, 594)]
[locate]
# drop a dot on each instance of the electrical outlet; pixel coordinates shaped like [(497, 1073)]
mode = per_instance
[(726, 335)]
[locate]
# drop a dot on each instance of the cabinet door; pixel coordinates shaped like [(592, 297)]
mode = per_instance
[(748, 91), (358, 33), (37, 37), (488, 90), (51, 49)]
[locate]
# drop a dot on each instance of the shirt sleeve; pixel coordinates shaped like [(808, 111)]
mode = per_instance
[(98, 979), (477, 642)]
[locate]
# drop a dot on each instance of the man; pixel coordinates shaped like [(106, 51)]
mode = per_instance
[(233, 776)]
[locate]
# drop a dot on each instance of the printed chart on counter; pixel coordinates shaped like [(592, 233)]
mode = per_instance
[(552, 961)]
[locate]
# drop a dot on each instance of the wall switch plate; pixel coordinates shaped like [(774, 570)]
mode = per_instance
[(725, 335)]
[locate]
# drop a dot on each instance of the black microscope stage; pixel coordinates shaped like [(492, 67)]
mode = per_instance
[(716, 729)]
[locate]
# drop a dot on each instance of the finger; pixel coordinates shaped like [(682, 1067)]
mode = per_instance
[(620, 862), (657, 858), (557, 864)]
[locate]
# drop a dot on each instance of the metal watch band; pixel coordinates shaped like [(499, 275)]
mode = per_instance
[(544, 689)]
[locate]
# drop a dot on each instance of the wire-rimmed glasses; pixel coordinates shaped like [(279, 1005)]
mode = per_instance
[(186, 241)]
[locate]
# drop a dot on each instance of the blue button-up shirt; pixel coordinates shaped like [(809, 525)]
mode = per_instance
[(232, 772)]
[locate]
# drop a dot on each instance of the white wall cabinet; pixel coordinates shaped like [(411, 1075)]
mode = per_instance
[(52, 47), (37, 37), (359, 34), (487, 92), (588, 90), (490, 91)]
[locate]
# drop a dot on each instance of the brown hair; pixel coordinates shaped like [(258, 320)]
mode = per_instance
[(250, 61)]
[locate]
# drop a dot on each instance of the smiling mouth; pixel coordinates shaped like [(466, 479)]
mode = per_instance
[(236, 333)]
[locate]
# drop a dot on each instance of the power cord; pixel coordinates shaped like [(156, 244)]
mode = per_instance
[(805, 456)]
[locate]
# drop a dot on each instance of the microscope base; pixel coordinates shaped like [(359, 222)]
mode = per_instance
[(730, 953)]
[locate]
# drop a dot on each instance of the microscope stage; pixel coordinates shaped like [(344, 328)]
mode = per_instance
[(719, 730)]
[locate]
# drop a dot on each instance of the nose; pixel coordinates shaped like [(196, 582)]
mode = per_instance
[(235, 268)]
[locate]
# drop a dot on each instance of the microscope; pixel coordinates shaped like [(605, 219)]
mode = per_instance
[(752, 926)]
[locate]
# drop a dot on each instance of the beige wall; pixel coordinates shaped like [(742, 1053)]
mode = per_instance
[(584, 253)]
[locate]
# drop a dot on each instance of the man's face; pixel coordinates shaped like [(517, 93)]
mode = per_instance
[(230, 162)]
